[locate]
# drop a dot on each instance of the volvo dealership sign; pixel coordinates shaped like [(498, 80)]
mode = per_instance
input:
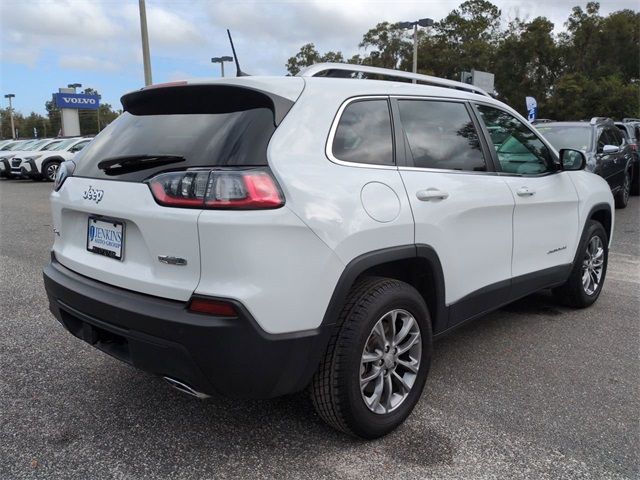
[(78, 101)]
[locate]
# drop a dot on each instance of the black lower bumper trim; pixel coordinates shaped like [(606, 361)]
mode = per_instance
[(229, 356)]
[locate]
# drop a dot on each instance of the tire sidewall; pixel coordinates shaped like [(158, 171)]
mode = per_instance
[(594, 229), (366, 423)]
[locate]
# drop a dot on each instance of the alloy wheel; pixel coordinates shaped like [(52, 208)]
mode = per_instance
[(390, 361), (51, 171), (592, 266)]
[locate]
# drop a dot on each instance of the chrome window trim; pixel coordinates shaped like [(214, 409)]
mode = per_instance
[(334, 128)]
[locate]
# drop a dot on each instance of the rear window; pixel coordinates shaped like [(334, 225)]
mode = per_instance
[(222, 132)]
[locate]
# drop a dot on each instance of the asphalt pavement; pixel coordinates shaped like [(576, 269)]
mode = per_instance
[(532, 391)]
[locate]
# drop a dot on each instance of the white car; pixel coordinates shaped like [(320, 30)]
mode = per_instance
[(255, 236), (29, 147), (44, 164)]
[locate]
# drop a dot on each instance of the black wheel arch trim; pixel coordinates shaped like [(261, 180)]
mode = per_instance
[(49, 160), (356, 267)]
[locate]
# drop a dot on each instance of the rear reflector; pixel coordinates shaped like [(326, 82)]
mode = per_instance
[(217, 189), (212, 307)]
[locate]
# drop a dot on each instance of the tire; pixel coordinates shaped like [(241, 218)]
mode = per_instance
[(50, 169), (622, 197), (336, 387), (574, 292)]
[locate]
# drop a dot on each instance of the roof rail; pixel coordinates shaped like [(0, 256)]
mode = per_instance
[(340, 69), (626, 120)]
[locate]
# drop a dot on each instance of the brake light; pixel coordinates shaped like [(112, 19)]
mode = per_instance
[(212, 307), (217, 189)]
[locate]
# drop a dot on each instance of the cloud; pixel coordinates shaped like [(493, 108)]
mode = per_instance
[(87, 62), (21, 55)]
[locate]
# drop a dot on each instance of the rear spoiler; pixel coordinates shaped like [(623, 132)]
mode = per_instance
[(182, 98)]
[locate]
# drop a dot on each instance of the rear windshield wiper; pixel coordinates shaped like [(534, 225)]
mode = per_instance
[(133, 163)]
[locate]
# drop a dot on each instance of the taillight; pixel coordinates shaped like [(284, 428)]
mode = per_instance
[(217, 189), (212, 307), (634, 147)]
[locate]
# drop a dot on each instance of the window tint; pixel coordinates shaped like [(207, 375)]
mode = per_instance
[(364, 133), (519, 149), (441, 135), (204, 140)]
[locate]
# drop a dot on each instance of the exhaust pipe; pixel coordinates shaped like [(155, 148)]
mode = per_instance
[(184, 388)]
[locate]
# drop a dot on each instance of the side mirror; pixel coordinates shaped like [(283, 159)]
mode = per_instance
[(609, 149), (571, 159)]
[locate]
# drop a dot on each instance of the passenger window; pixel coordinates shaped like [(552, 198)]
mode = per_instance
[(616, 137), (441, 135), (364, 133), (519, 150)]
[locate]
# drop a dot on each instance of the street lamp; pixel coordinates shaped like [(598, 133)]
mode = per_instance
[(423, 22), (13, 128), (221, 61)]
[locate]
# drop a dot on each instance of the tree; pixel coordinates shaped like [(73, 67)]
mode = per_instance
[(308, 55)]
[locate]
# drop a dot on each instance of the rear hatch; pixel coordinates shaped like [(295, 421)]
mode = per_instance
[(112, 228)]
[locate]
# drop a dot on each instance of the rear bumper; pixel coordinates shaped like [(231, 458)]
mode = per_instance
[(229, 356)]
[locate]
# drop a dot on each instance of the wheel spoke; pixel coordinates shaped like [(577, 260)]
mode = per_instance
[(379, 331), (369, 357), (375, 374), (405, 386), (387, 393), (404, 331), (377, 394), (413, 367), (415, 337)]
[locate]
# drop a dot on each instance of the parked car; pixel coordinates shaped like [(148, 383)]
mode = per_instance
[(322, 236), (30, 146), (43, 165), (631, 129), (608, 154)]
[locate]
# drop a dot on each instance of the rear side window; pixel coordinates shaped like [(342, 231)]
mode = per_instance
[(441, 135), (364, 134)]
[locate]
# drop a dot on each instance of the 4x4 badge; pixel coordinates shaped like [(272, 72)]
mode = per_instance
[(93, 194)]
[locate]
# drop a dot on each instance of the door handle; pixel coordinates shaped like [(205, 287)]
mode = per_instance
[(525, 192), (431, 194)]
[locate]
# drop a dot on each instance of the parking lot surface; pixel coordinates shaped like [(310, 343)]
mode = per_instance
[(530, 391)]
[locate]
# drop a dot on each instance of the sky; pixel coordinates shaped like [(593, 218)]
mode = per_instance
[(47, 44)]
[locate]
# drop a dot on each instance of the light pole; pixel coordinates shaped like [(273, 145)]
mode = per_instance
[(13, 128), (423, 22), (145, 43), (221, 61)]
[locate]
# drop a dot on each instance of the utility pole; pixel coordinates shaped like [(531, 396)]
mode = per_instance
[(13, 128), (415, 49), (145, 43)]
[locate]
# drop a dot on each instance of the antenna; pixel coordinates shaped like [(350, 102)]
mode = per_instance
[(239, 73)]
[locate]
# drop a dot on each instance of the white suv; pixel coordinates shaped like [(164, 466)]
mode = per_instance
[(255, 236), (44, 165)]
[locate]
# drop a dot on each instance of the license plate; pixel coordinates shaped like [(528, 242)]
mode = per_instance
[(105, 237)]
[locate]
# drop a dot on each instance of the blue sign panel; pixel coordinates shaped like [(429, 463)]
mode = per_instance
[(78, 101)]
